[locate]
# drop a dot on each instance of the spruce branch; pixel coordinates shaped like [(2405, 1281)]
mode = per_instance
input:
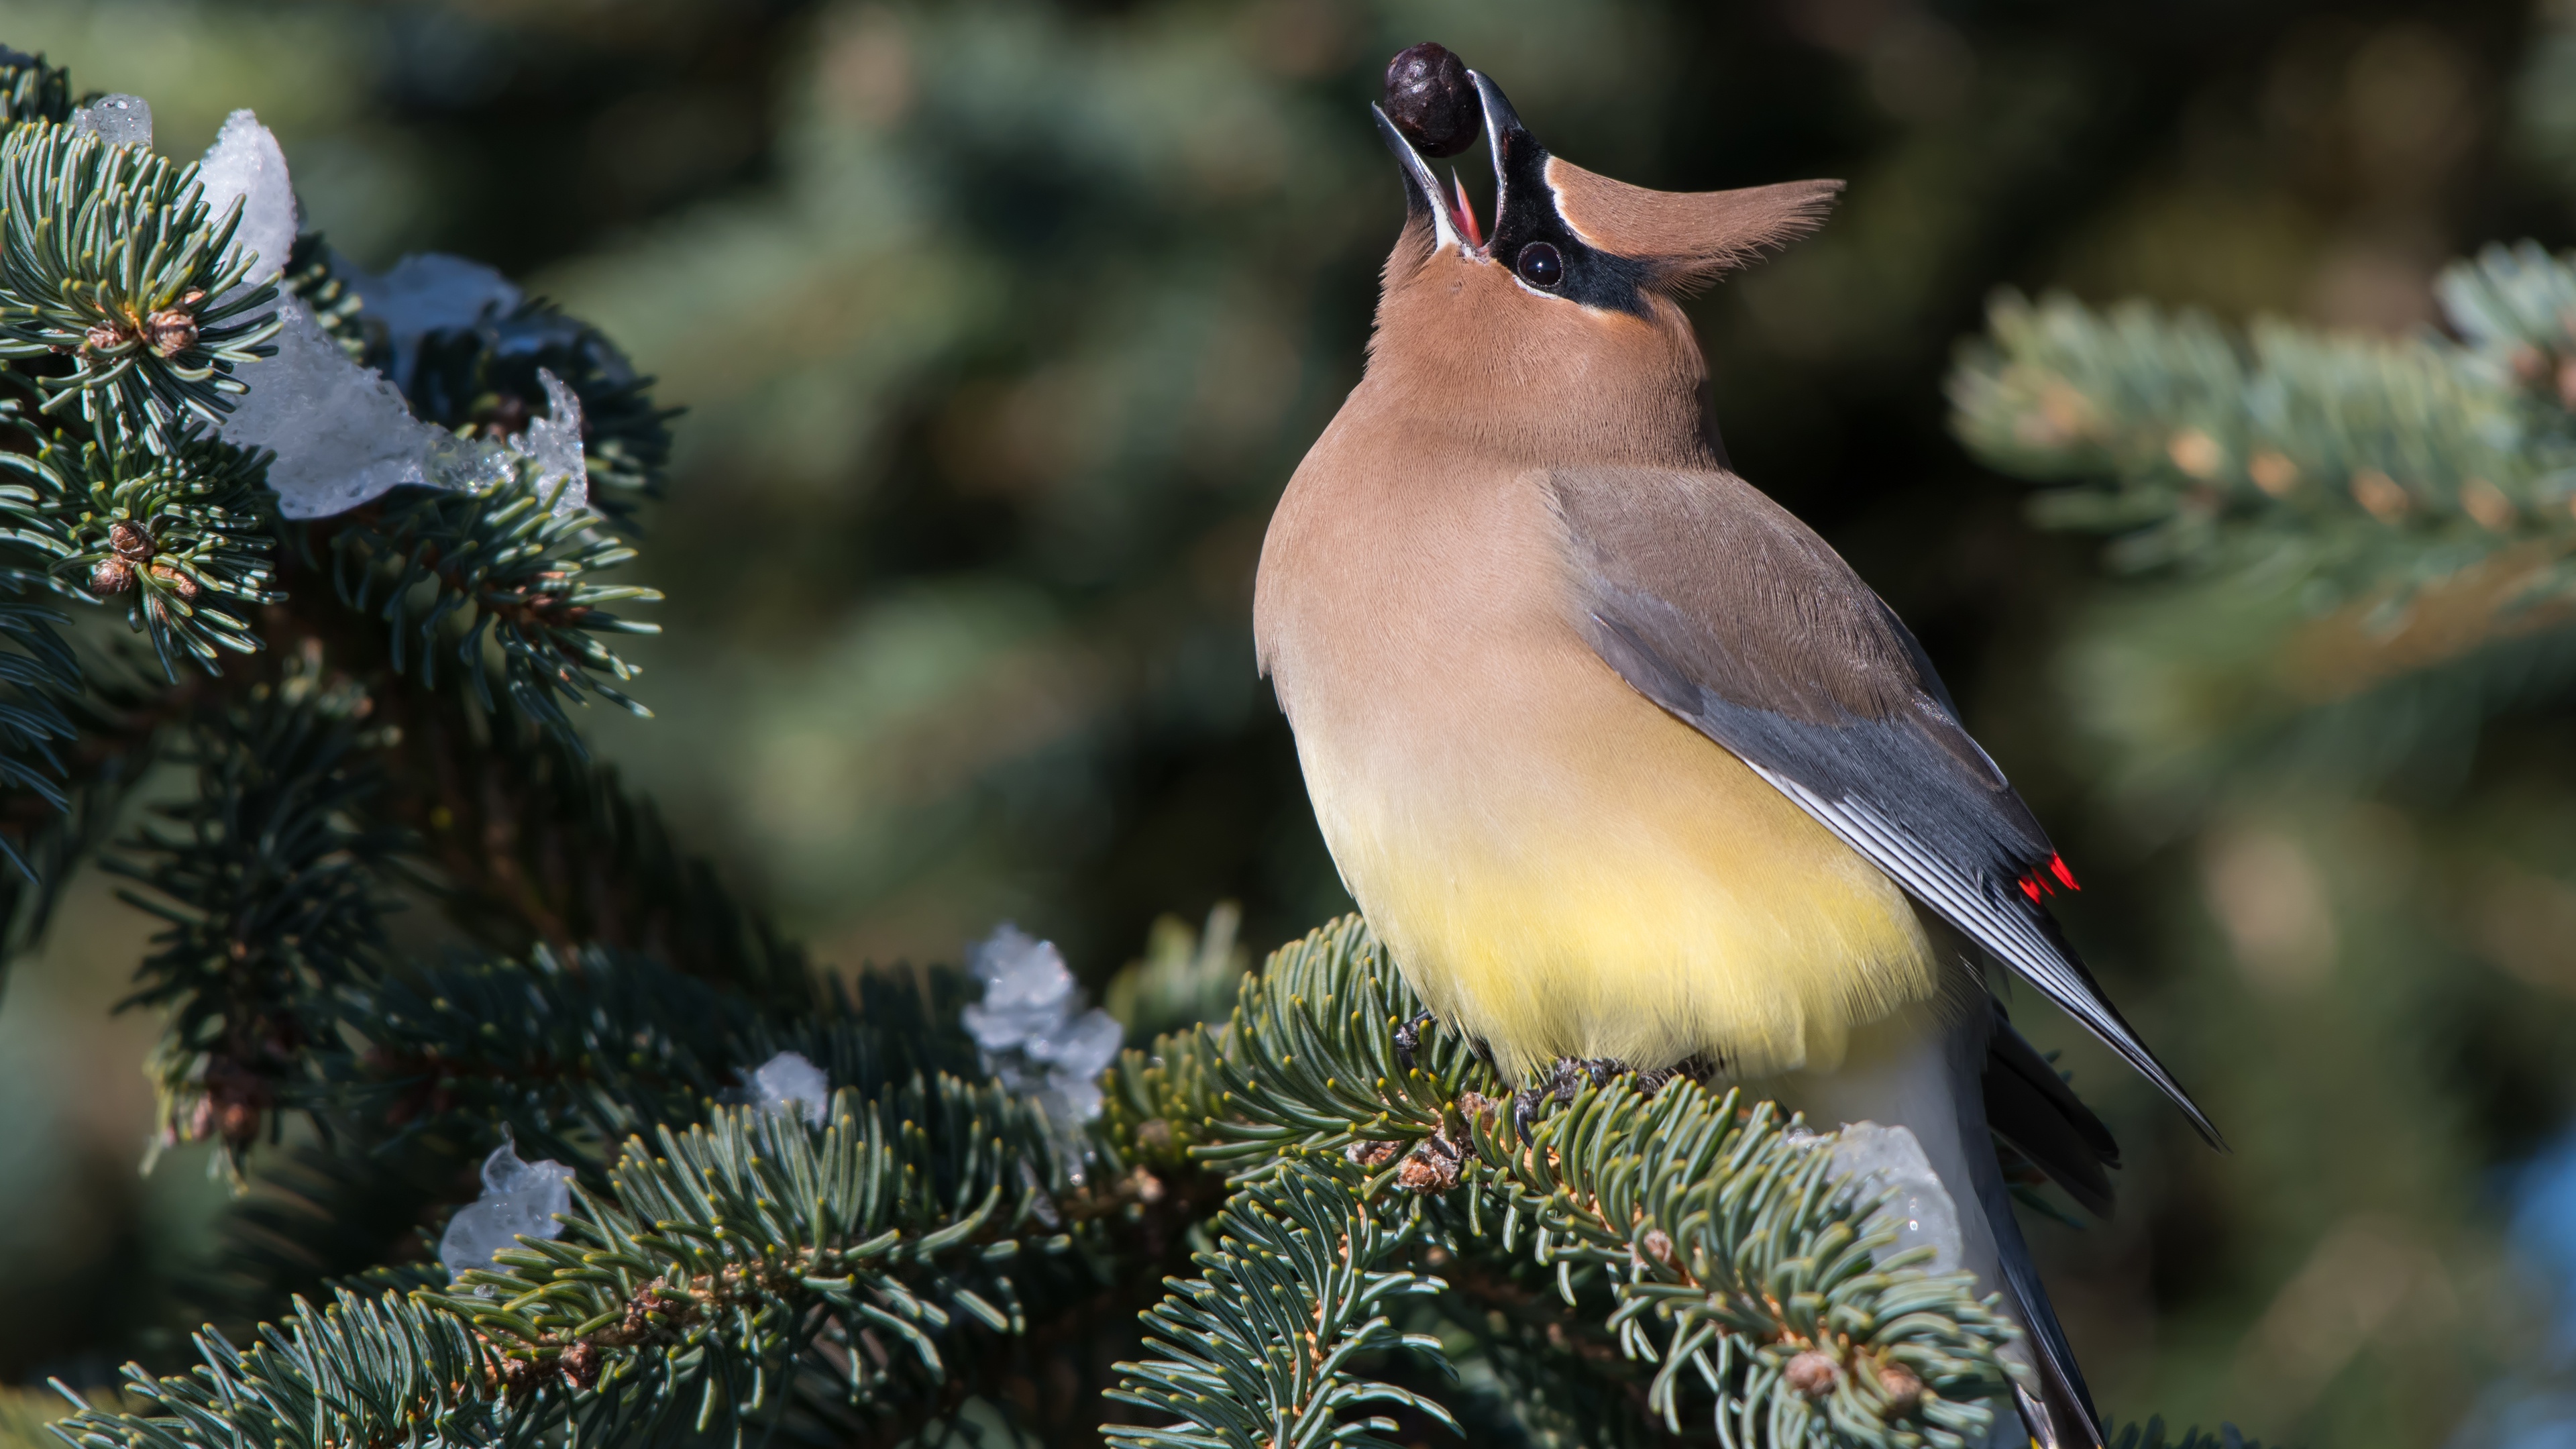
[(1530, 1370), (1733, 1252), (535, 844), (1258, 1354), (313, 1217), (364, 1370), (732, 1264), (2207, 451), (175, 528), (2515, 308), (742, 1271), (37, 676), (1305, 1066), (272, 882), (110, 266), (1726, 1245), (454, 572), (484, 378), (31, 90), (574, 1054), (2333, 533), (120, 720)]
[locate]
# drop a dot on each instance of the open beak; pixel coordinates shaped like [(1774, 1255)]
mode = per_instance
[(1516, 154), (1453, 217), (1423, 190)]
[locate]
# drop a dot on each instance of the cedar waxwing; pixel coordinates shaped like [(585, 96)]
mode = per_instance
[(1620, 760)]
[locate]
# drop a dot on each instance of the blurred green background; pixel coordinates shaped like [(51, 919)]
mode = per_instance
[(1000, 326)]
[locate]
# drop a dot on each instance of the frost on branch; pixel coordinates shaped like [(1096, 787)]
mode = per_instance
[(520, 1199), (1033, 1029)]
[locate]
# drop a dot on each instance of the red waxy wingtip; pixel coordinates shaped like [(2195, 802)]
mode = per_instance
[(2057, 867), (2030, 888)]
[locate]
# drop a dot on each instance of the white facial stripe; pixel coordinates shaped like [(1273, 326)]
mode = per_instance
[(1573, 223)]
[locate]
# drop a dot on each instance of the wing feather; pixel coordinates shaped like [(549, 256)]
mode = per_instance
[(1718, 605)]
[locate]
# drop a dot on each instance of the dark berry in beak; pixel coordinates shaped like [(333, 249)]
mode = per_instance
[(1431, 101)]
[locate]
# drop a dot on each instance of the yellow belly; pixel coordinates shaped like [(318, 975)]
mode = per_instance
[(1608, 883)]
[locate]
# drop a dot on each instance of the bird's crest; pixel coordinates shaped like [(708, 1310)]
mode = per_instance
[(1686, 238)]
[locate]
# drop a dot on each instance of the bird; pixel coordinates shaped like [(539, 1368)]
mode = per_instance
[(1621, 761)]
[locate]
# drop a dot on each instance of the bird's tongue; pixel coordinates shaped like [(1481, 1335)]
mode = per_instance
[(1466, 213)]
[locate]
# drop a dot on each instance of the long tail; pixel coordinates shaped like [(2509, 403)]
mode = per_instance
[(1937, 1083), (2029, 1106)]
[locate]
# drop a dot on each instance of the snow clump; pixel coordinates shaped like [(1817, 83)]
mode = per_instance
[(245, 165), (342, 432)]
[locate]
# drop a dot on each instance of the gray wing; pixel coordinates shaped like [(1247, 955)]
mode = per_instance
[(1717, 604)]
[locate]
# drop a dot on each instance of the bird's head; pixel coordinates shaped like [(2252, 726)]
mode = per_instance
[(1576, 280)]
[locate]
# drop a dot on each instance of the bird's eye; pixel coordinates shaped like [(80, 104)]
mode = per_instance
[(1539, 265)]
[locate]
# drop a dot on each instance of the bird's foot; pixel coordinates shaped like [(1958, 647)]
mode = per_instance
[(1572, 1072), (1698, 1069), (1408, 1035), (1567, 1079)]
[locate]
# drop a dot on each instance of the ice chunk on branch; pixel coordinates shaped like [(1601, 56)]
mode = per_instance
[(117, 120), (520, 1199), (1036, 1035), (1889, 1159), (788, 1082), (431, 292), (341, 432), (553, 443)]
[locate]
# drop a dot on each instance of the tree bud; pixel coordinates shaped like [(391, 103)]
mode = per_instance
[(1812, 1373)]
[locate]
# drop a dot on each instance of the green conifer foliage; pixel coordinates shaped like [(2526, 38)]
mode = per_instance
[(1283, 1229), (2365, 541), (109, 260)]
